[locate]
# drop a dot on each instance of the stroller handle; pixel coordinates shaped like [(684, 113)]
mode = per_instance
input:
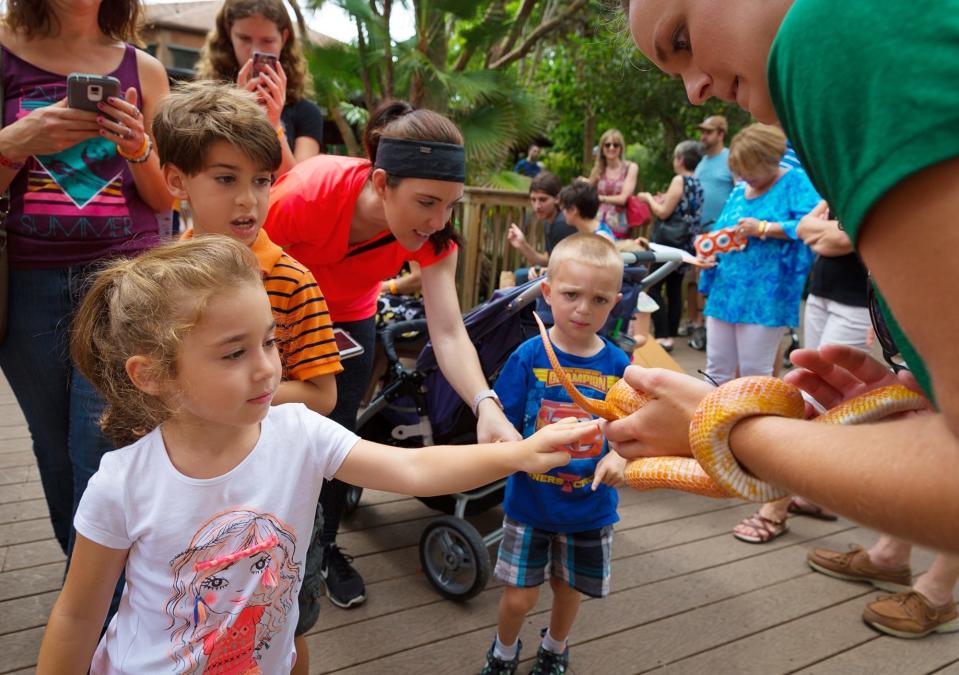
[(669, 257), (389, 334)]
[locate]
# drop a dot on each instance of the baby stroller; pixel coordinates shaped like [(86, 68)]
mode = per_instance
[(417, 406)]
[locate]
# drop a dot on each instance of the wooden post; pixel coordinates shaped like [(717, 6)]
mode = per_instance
[(486, 215)]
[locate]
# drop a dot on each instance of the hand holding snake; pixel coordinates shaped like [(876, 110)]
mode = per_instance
[(713, 470)]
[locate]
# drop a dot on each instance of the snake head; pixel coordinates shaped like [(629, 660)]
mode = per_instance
[(621, 399)]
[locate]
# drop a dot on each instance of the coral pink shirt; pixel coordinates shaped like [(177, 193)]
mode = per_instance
[(311, 212)]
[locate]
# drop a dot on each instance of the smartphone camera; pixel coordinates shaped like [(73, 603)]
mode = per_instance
[(94, 92)]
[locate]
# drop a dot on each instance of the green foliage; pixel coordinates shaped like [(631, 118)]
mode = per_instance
[(563, 164), (599, 75), (507, 180), (570, 87)]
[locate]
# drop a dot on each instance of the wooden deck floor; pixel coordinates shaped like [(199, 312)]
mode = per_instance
[(687, 597)]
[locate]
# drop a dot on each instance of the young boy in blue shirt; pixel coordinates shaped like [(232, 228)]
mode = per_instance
[(561, 520)]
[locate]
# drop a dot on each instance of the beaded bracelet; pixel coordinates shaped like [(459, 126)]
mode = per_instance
[(142, 154)]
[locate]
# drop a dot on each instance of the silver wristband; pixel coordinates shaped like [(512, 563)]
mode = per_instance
[(482, 396)]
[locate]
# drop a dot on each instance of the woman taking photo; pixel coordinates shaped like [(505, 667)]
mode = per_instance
[(84, 186), (615, 180), (353, 222), (247, 26)]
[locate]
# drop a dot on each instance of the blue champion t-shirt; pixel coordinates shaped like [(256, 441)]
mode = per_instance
[(560, 500)]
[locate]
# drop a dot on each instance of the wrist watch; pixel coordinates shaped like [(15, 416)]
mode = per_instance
[(482, 396)]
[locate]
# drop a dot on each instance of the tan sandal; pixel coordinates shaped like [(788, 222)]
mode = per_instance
[(765, 529)]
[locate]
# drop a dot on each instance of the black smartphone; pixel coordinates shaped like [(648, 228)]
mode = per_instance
[(346, 344), (85, 91), (261, 59)]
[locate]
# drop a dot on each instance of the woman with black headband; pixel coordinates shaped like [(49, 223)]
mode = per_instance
[(354, 222)]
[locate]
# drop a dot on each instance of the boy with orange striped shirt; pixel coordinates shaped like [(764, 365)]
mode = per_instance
[(218, 152)]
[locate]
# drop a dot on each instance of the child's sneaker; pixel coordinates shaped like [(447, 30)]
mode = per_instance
[(497, 666), (548, 662)]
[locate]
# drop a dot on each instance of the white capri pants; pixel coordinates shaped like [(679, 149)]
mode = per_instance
[(827, 322), (746, 348)]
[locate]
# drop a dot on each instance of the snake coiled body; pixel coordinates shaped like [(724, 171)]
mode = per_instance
[(713, 470)]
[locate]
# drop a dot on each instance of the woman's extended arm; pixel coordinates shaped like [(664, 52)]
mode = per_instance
[(455, 353), (898, 477), (629, 186), (664, 209), (76, 620), (907, 242)]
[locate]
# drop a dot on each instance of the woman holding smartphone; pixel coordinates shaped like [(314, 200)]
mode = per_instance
[(84, 186), (253, 43)]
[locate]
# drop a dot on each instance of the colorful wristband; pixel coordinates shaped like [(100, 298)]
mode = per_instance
[(142, 153)]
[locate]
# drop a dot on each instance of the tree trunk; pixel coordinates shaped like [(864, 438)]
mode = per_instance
[(353, 146), (364, 70), (300, 22), (589, 138), (387, 51), (534, 36), (425, 91)]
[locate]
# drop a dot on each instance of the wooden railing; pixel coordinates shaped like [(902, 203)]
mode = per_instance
[(483, 219)]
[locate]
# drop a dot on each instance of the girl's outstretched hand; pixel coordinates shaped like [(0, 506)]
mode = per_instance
[(661, 427), (549, 447)]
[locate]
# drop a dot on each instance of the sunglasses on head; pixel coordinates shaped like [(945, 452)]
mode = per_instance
[(890, 352), (611, 145)]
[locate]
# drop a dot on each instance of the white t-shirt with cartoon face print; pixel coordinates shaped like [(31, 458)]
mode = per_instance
[(214, 565)]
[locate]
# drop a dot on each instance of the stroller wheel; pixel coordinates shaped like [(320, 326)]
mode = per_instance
[(353, 495), (454, 558)]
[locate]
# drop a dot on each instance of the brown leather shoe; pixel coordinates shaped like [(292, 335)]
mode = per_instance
[(854, 565), (910, 615)]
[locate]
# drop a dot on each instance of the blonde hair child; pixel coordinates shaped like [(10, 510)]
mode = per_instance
[(209, 512)]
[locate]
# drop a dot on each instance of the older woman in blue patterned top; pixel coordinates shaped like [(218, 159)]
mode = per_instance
[(753, 294)]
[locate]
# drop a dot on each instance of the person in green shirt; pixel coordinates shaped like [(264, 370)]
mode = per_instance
[(867, 95)]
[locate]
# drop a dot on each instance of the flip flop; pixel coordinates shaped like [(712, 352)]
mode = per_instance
[(809, 509)]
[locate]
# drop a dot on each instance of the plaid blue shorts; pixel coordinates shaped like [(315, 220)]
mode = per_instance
[(582, 559)]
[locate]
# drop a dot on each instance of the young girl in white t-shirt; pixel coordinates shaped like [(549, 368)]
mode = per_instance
[(210, 513)]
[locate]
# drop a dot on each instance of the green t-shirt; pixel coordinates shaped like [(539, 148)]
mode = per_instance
[(868, 93)]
